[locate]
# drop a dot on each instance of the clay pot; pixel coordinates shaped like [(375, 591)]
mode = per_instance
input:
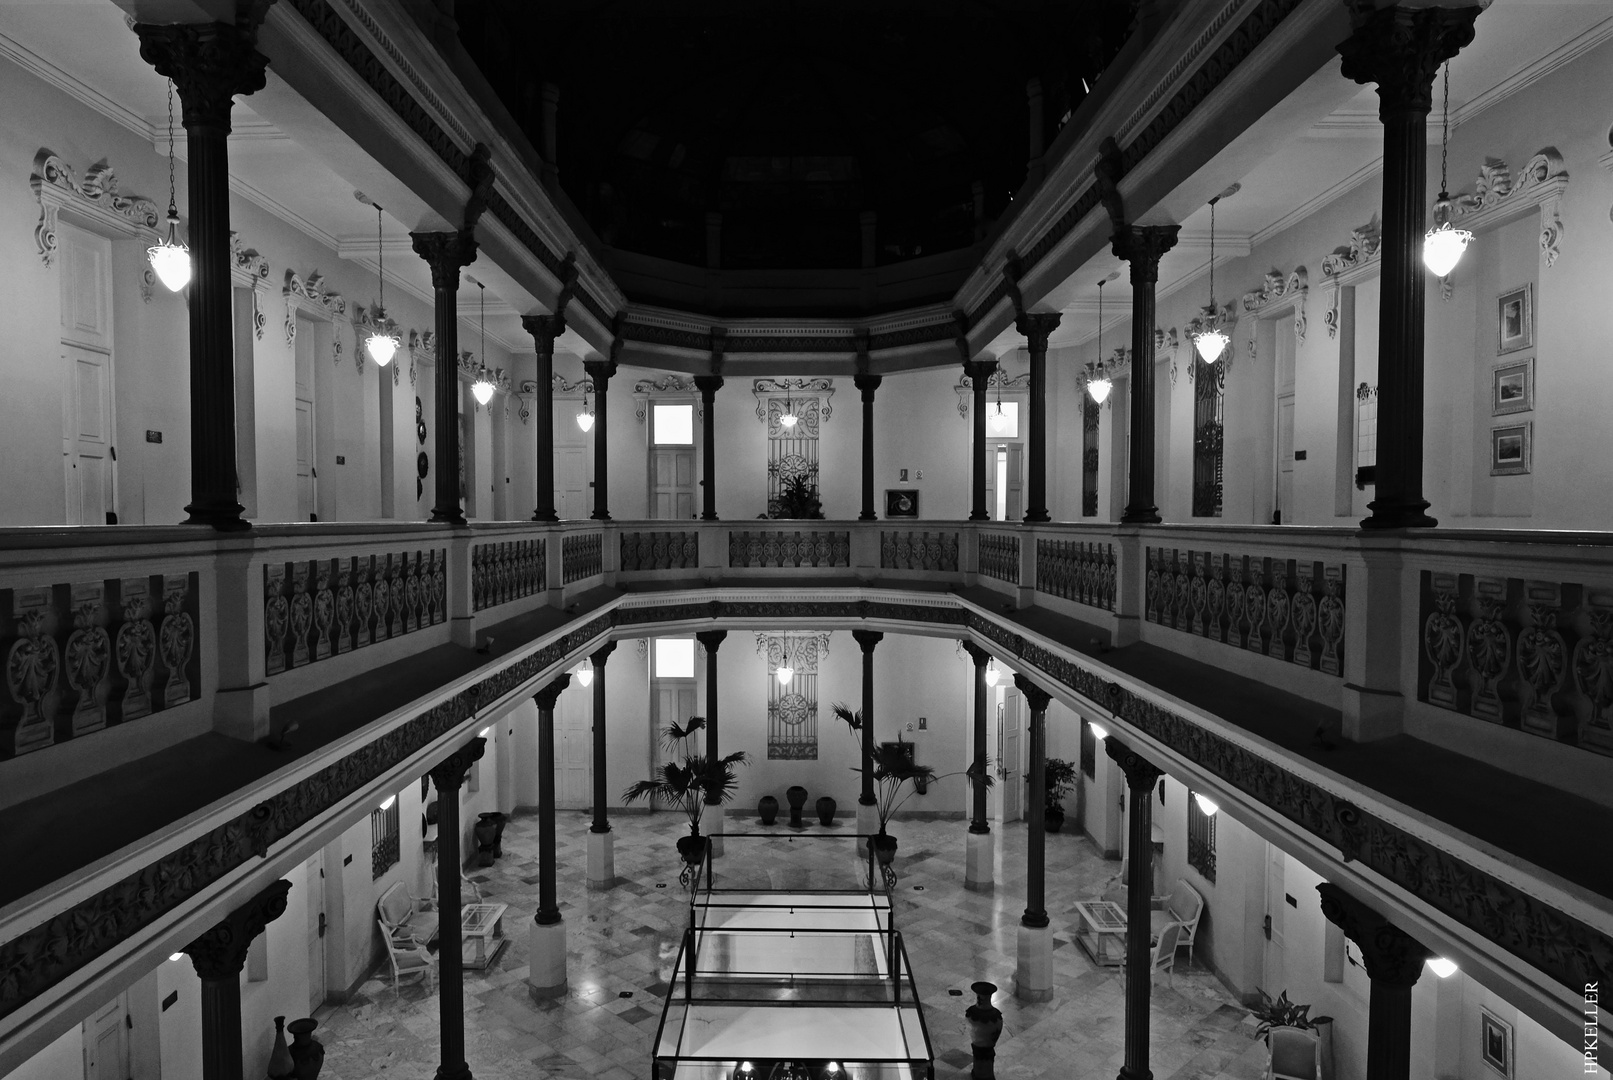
[(826, 811), (281, 1066), (307, 1051), (1053, 819), (692, 848), (884, 848), (486, 831), (985, 1027), (768, 808), (796, 797)]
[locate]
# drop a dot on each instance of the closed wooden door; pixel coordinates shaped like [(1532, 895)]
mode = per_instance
[(574, 751), (1005, 477), (671, 701), (314, 874), (1276, 873), (571, 482), (88, 455), (672, 483), (1285, 459), (307, 469), (106, 1041), (1010, 764)]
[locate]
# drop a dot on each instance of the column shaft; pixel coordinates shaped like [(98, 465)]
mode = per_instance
[(979, 372), (221, 1028), (448, 778), (544, 330), (601, 655), (600, 371), (712, 640), (218, 955), (866, 640), (1036, 850), (978, 822), (1141, 777), (708, 386), (1394, 962), (548, 906), (1141, 246), (868, 384), (1036, 326), (446, 253)]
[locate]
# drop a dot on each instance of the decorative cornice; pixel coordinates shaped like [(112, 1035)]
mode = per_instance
[(309, 294), (1278, 290), (665, 386), (1497, 198), (96, 198), (1018, 384), (1363, 246)]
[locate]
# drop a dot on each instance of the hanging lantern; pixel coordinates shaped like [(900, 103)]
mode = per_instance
[(785, 672), (170, 259), (381, 345), (1210, 341), (1207, 806), (482, 389), (1444, 244), (1099, 388), (788, 419), (992, 674), (585, 673), (1098, 384), (585, 419)]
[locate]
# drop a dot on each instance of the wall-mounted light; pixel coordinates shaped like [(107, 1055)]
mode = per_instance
[(171, 258), (1099, 731), (585, 672), (381, 346), (1442, 967), (1206, 805)]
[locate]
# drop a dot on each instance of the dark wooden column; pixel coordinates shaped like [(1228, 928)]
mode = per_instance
[(1394, 961), (1036, 826), (599, 373), (866, 640), (711, 640), (601, 823), (548, 907), (1141, 246), (1036, 326), (979, 372), (218, 955), (544, 329), (978, 818), (867, 384), (210, 63), (1141, 776), (446, 253), (448, 777), (708, 385), (1401, 49)]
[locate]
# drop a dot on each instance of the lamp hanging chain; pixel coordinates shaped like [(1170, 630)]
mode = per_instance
[(1101, 284), (1212, 255), (380, 267), (1445, 135), (173, 209), (483, 330)]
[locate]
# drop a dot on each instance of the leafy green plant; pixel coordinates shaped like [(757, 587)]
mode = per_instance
[(1280, 1012), (798, 498), (1058, 780), (688, 784), (894, 768)]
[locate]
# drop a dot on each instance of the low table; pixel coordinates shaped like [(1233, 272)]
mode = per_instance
[(1101, 922), (482, 932)]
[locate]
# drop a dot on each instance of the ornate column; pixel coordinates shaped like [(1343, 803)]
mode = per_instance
[(711, 640), (218, 955), (1141, 776), (601, 845), (979, 371), (1394, 961), (1033, 977), (1401, 49), (210, 63), (544, 330), (599, 372), (708, 385), (1037, 326), (1141, 246), (546, 942), (867, 806), (980, 853), (448, 777), (446, 253)]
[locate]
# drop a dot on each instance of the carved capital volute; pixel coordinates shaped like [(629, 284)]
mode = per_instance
[(711, 639), (708, 385), (1391, 955), (979, 372), (867, 384), (1140, 772), (220, 953), (599, 371), (1401, 49), (1142, 246), (867, 639), (551, 693), (210, 63), (980, 656), (544, 329), (1037, 326), (449, 773), (600, 655), (1038, 698), (446, 253)]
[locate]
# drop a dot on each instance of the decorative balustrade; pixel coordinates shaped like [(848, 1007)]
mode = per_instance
[(997, 556), (319, 608), (1078, 570), (660, 551), (1290, 609), (794, 548), (918, 551), (87, 655), (1530, 654), (505, 570), (582, 556)]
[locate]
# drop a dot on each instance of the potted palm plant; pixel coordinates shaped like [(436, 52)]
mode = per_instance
[(1058, 780), (894, 769), (687, 784)]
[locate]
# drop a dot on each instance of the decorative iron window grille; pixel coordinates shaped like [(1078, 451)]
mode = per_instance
[(1209, 403), (1366, 434), (1089, 750), (792, 711), (384, 845), (1200, 840), (791, 451), (1090, 411)]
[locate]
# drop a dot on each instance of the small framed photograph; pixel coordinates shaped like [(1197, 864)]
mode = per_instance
[(1495, 1035), (1510, 449), (1515, 315), (1512, 387), (901, 503)]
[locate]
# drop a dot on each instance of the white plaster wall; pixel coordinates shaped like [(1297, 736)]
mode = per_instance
[(917, 427)]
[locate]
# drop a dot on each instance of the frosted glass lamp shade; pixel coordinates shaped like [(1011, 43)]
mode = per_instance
[(788, 419), (1206, 806), (482, 389), (381, 347), (992, 674), (1442, 967), (171, 259), (1100, 732), (1211, 344), (585, 673), (1443, 247), (585, 420), (1099, 389), (785, 673)]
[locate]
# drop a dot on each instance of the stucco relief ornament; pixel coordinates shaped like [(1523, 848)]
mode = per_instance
[(1254, 606), (1593, 676), (363, 603), (1489, 649), (136, 646), (1330, 620), (31, 667), (1302, 613), (1542, 180), (1443, 640), (89, 658), (1277, 608), (176, 639), (1363, 247), (1542, 658), (276, 618), (55, 186), (324, 614)]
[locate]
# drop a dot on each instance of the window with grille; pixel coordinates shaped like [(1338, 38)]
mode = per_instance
[(792, 710), (384, 850), (1200, 840), (1366, 433), (1089, 750), (1090, 411), (1209, 401), (792, 450)]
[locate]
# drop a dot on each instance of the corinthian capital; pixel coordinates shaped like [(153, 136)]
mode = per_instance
[(209, 62), (220, 953), (1402, 48)]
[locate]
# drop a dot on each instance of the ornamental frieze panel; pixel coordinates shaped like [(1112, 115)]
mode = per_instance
[(96, 199), (1498, 196), (1277, 291), (772, 395), (667, 387), (315, 609)]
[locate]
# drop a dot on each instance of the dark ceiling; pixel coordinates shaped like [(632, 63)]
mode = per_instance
[(791, 119)]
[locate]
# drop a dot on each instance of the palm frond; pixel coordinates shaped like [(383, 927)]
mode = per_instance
[(854, 720)]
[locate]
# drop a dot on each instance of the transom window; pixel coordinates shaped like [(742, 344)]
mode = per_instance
[(674, 658), (672, 425)]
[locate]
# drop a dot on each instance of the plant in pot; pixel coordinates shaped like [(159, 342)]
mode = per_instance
[(798, 498), (687, 784), (1058, 780), (1280, 1014), (894, 769)]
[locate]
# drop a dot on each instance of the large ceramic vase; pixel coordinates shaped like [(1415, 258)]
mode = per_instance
[(486, 830), (768, 808), (796, 797), (826, 811), (281, 1065), (307, 1051), (985, 1027)]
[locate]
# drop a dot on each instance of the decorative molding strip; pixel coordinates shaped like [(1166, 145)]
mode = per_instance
[(997, 556), (1497, 198), (821, 388), (506, 570), (660, 551), (1078, 570), (1172, 77), (793, 548), (581, 556), (248, 270), (908, 550), (313, 610)]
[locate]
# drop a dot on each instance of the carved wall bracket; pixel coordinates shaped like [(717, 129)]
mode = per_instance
[(310, 295), (1276, 292)]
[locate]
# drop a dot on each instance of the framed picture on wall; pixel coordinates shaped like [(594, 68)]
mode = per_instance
[(1512, 387), (1510, 449), (1515, 317), (901, 502), (1495, 1036)]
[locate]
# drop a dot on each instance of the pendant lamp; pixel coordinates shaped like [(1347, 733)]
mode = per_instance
[(585, 672), (1210, 341), (785, 672), (585, 419), (381, 345), (789, 418), (992, 674), (1444, 244), (1099, 387), (482, 388), (171, 258)]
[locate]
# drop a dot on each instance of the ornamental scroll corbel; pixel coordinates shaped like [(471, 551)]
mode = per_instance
[(1497, 195), (1166, 343), (309, 294), (1278, 289), (248, 270)]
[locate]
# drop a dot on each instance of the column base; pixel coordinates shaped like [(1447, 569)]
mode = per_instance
[(546, 957), (867, 823), (979, 853), (601, 860), (1033, 971)]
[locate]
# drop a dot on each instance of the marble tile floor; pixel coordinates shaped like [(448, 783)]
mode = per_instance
[(623, 943)]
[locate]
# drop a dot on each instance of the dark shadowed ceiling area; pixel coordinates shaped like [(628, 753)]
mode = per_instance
[(793, 121)]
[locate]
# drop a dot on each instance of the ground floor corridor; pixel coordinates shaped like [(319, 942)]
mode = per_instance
[(623, 943)]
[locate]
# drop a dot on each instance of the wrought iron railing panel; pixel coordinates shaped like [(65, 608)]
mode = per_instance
[(659, 551), (779, 548), (506, 570), (1078, 570), (918, 551), (997, 556), (582, 556), (314, 609)]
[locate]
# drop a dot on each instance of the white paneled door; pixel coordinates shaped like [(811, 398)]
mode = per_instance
[(571, 482), (89, 458), (672, 483), (307, 468), (106, 1041), (574, 751)]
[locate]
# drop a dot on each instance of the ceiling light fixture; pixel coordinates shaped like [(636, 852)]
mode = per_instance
[(1211, 342), (381, 346), (1206, 805), (785, 672), (1099, 732), (585, 672), (1444, 244), (585, 419), (992, 674), (1100, 386), (1442, 967), (999, 419), (788, 419), (483, 387), (171, 258)]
